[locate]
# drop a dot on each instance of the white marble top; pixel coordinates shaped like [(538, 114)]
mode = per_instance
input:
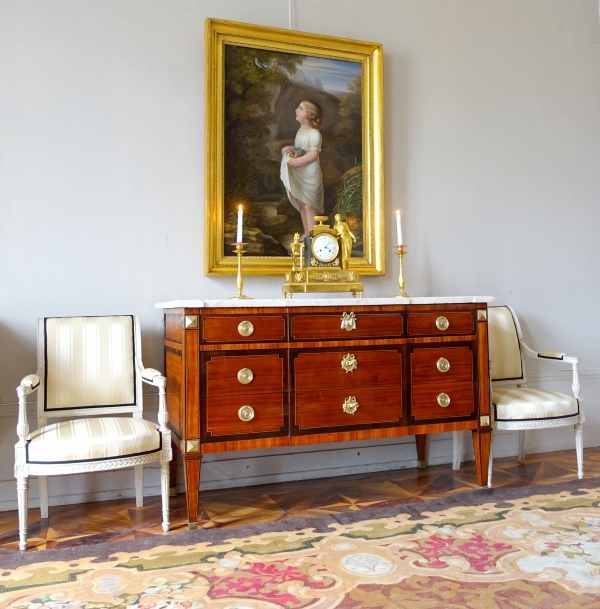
[(320, 302)]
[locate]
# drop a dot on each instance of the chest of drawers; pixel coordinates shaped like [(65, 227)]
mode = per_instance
[(304, 373)]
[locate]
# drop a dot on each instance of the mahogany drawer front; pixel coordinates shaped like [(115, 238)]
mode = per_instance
[(244, 374), (434, 322), (425, 404), (318, 409), (444, 364), (223, 418), (329, 326), (365, 369), (243, 328)]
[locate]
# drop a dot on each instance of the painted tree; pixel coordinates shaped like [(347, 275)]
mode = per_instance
[(252, 78)]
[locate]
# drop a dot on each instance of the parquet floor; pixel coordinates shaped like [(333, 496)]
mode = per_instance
[(109, 521)]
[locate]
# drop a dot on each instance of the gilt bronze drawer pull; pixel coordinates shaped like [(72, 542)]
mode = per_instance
[(349, 362), (443, 365), (348, 321), (246, 328), (246, 413), (443, 400), (245, 376), (442, 323), (350, 405)]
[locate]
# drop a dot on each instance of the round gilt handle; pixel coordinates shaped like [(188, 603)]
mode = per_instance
[(443, 399), (245, 376), (442, 323), (246, 413), (443, 365), (246, 328)]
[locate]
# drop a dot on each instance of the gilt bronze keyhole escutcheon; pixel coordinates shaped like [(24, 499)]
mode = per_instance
[(348, 321), (349, 362), (350, 405)]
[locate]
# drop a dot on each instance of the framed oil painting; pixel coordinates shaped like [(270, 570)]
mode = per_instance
[(293, 129)]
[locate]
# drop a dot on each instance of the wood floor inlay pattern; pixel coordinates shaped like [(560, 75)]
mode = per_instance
[(120, 520)]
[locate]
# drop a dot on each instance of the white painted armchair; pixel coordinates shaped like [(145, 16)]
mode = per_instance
[(516, 406), (89, 367)]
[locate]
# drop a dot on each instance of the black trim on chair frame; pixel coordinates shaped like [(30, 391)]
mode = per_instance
[(127, 456), (133, 335)]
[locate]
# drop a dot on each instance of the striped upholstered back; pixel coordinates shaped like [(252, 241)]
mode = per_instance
[(505, 354), (89, 362)]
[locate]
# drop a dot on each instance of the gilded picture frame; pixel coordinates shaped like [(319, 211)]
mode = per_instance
[(255, 79)]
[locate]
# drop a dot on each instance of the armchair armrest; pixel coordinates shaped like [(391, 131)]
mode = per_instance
[(152, 376), (551, 354), (557, 356), (28, 385)]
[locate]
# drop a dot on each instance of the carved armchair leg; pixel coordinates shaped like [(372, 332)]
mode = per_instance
[(523, 437), (173, 469), (579, 449), (43, 488), (164, 487), (23, 499), (457, 449), (421, 440), (139, 485)]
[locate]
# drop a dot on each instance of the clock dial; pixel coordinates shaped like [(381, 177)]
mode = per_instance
[(325, 247)]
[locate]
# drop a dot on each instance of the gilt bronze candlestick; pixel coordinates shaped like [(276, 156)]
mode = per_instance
[(401, 294), (239, 248)]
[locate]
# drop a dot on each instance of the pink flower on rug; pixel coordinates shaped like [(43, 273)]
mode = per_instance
[(479, 552), (264, 585)]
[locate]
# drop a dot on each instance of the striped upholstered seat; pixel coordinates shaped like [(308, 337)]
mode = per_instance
[(525, 404), (93, 439)]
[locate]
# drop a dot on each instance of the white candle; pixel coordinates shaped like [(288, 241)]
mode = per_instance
[(240, 224), (399, 227)]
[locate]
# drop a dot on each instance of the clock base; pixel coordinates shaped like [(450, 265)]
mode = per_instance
[(322, 279)]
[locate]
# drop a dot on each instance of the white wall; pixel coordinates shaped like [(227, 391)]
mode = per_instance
[(492, 129)]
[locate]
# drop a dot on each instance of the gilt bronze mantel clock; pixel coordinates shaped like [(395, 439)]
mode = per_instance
[(320, 264)]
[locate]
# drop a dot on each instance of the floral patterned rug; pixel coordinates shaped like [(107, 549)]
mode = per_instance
[(539, 551)]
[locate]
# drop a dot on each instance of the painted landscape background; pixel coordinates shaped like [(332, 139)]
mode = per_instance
[(262, 90)]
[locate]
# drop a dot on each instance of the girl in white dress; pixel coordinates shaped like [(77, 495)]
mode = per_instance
[(301, 175)]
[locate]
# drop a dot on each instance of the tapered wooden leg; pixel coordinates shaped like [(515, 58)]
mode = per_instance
[(491, 462), (481, 446), (421, 440), (173, 469), (192, 486)]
